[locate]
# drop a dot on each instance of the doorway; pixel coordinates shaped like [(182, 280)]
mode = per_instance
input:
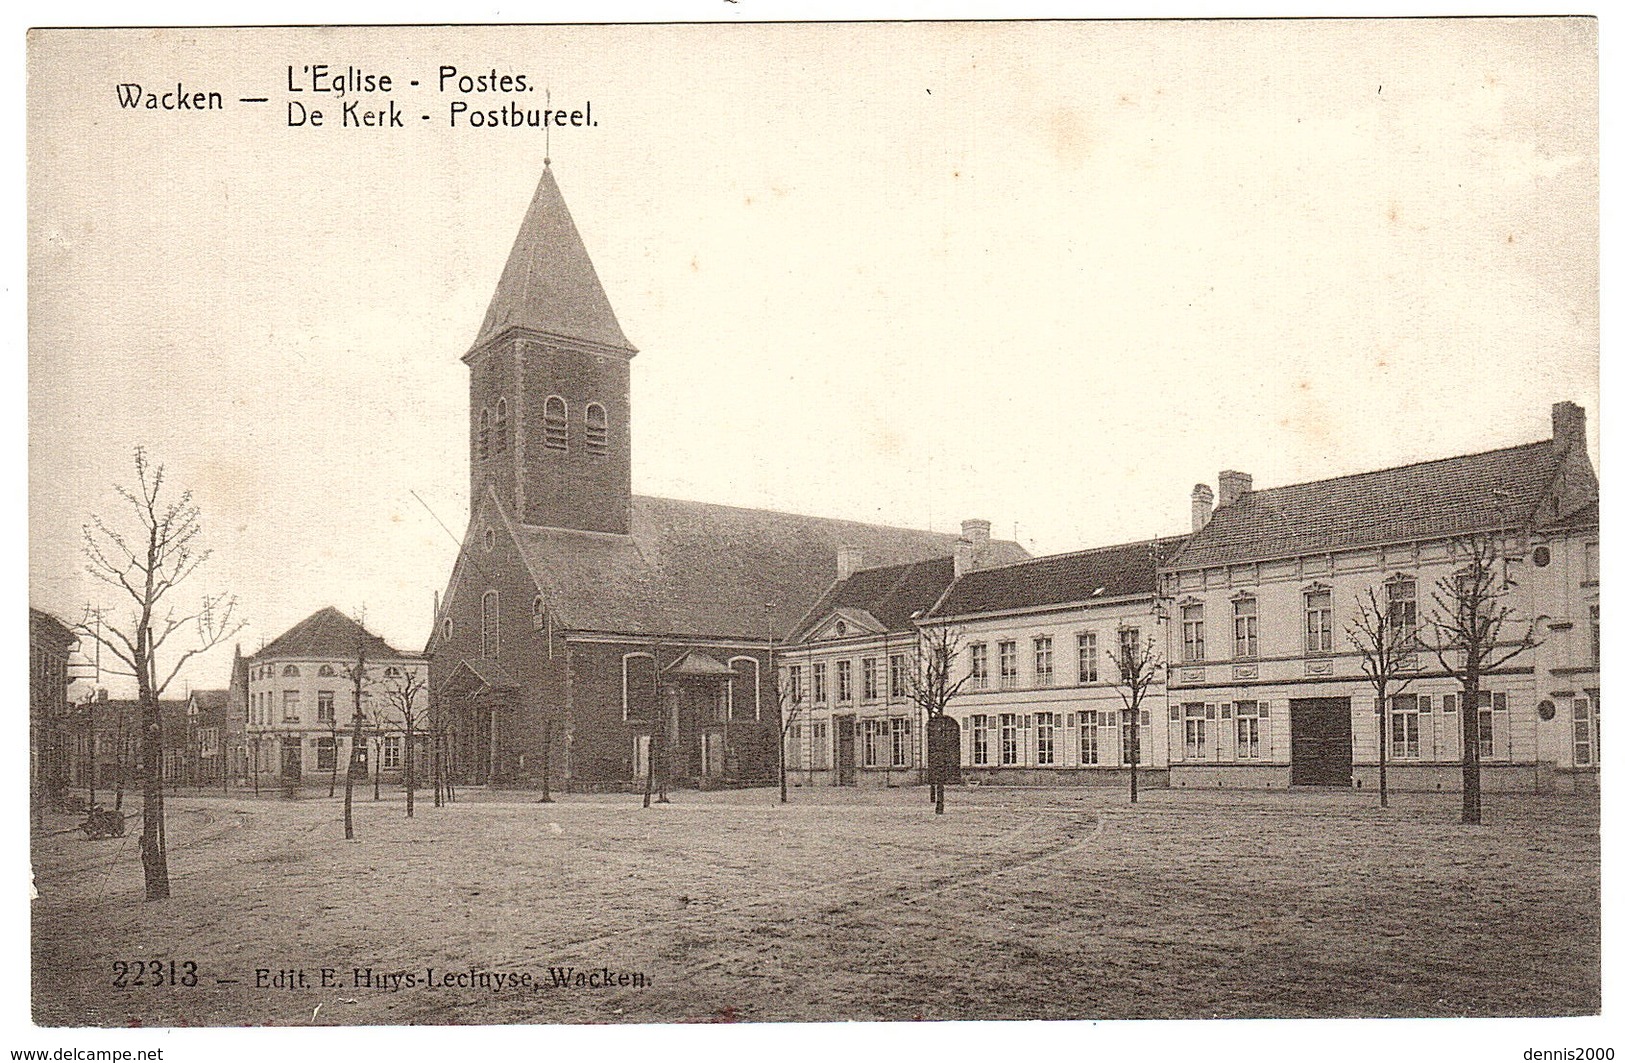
[(1322, 742), (846, 761)]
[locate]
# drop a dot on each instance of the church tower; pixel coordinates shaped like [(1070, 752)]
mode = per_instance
[(549, 388)]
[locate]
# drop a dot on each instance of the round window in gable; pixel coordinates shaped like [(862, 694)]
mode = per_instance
[(1543, 557), (840, 628)]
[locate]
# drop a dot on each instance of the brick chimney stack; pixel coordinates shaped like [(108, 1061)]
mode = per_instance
[(848, 559), (1568, 426), (1201, 507), (970, 552), (1232, 485)]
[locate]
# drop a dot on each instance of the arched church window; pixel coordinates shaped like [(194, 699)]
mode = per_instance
[(502, 425), (485, 434), (597, 429), (490, 634), (446, 628), (555, 424)]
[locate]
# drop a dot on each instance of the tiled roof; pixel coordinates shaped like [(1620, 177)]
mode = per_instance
[(690, 568), (1122, 571), (45, 626), (209, 699), (890, 595), (548, 284), (1430, 499), (1587, 516), (326, 633)]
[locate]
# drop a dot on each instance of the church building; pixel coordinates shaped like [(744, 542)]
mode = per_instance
[(586, 627)]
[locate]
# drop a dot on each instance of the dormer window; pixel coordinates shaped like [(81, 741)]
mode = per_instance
[(597, 429), (290, 672), (555, 424)]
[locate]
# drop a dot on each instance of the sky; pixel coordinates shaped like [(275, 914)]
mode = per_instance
[(1046, 274)]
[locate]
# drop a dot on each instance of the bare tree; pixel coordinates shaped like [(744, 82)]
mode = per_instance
[(333, 763), (1473, 629), (360, 678), (931, 684), (792, 707), (145, 566), (1138, 663), (402, 692), (1387, 649)]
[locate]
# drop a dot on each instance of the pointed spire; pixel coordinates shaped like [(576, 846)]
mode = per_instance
[(549, 284)]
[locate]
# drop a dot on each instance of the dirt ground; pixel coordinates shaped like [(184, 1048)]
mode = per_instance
[(1017, 904)]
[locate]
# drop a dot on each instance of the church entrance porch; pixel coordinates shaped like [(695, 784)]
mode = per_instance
[(468, 713), (697, 688)]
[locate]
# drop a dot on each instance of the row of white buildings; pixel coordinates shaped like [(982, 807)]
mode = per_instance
[(1260, 683)]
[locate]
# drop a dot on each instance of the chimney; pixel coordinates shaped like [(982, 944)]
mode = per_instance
[(1568, 426), (1201, 507), (970, 552), (848, 559), (1232, 485)]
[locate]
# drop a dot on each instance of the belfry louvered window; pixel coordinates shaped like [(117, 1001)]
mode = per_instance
[(597, 429), (502, 425), (555, 424)]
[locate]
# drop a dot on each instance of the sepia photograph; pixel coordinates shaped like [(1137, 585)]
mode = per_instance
[(817, 523)]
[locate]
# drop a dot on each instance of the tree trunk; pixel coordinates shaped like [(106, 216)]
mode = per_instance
[(1382, 746), (1134, 756), (154, 854), (547, 760), (649, 770), (333, 776), (349, 776), (377, 762), (784, 783), (1472, 811), (411, 756)]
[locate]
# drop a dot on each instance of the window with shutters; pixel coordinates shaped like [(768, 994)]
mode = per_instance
[(1007, 664), (1131, 739), (1045, 722), (1128, 649), (1193, 626), (597, 429), (978, 665), (871, 679), (901, 746), (1245, 616), (871, 742), (490, 626), (1402, 613), (1088, 658), (979, 740), (1404, 728), (1088, 737), (1317, 621), (792, 747), (899, 676), (1196, 738), (1043, 660), (1584, 742), (555, 424), (1488, 705), (1247, 743), (1007, 738)]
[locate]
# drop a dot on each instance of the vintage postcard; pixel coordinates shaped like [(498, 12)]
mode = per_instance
[(813, 523)]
